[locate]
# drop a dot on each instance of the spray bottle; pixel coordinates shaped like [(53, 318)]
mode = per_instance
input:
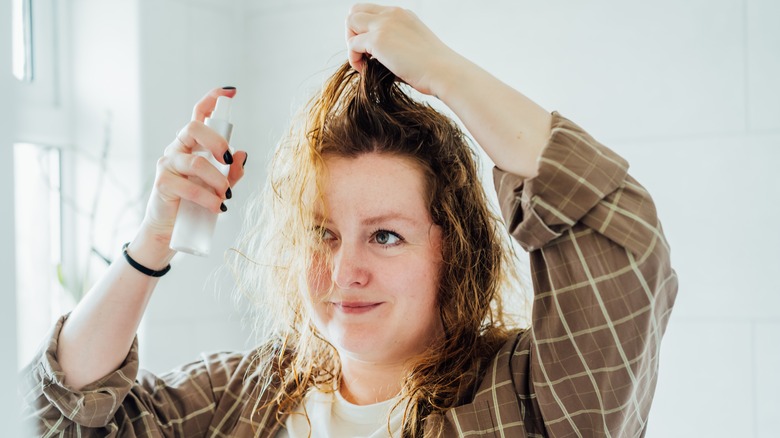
[(194, 226)]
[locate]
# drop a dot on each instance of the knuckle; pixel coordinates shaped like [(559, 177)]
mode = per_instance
[(189, 128), (161, 184), (378, 36), (197, 163), (192, 192), (396, 12)]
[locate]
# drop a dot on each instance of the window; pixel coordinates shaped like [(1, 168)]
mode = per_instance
[(22, 40), (38, 211)]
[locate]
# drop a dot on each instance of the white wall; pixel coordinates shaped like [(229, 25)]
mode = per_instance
[(686, 91), (9, 404)]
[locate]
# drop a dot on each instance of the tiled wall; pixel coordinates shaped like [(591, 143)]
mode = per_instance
[(686, 91)]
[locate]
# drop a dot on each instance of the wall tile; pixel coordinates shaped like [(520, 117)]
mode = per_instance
[(704, 387), (766, 377), (717, 200), (624, 69), (169, 344), (763, 64), (195, 287)]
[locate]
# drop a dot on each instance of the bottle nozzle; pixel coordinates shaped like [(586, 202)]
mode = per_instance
[(222, 110)]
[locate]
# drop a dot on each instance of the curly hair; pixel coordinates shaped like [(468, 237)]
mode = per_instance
[(356, 114)]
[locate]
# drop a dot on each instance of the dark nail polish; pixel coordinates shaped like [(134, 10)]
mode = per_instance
[(229, 193), (228, 157), (245, 157), (228, 88), (222, 207)]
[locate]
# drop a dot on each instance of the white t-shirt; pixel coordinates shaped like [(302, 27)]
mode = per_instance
[(332, 416)]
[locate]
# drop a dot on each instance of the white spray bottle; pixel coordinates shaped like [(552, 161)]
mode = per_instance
[(194, 226)]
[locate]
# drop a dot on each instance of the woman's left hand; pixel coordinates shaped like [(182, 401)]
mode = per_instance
[(401, 42)]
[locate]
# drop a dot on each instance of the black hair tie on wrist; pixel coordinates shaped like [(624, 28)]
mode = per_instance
[(141, 268)]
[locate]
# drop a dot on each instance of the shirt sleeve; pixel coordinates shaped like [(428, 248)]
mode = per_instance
[(603, 285), (137, 403)]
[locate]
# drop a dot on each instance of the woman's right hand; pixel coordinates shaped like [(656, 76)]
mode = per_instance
[(172, 183)]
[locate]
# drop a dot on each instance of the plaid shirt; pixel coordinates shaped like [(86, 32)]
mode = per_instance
[(603, 293)]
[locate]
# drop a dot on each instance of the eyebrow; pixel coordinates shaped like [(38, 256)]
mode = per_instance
[(374, 220), (378, 219)]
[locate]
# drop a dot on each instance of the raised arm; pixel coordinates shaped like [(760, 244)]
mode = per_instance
[(603, 288), (97, 335), (86, 381)]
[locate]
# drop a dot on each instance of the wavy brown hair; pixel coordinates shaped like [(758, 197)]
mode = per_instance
[(356, 114)]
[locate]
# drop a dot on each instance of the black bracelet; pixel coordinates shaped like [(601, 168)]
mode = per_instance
[(141, 268)]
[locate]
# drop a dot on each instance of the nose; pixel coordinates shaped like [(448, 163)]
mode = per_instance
[(349, 267)]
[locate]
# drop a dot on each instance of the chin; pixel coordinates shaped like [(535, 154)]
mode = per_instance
[(363, 347)]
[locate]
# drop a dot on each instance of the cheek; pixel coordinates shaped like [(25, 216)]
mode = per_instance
[(318, 277)]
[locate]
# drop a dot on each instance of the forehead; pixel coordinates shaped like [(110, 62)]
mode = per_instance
[(373, 185)]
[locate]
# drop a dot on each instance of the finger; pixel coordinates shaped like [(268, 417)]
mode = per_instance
[(354, 60), (206, 105), (359, 23), (237, 168), (358, 47), (189, 165), (196, 134), (172, 187)]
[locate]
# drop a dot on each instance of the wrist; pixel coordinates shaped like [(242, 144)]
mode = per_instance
[(451, 74), (151, 250)]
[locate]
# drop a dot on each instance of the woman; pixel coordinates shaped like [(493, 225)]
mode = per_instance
[(380, 272)]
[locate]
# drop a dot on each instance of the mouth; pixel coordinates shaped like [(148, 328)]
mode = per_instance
[(353, 307)]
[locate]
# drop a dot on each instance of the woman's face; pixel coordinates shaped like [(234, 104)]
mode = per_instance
[(386, 257)]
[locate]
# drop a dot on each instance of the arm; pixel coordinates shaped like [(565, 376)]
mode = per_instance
[(603, 286), (86, 375), (182, 402), (98, 334)]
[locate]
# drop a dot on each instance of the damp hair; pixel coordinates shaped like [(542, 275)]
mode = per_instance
[(354, 114)]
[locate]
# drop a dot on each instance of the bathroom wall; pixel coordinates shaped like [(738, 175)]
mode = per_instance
[(9, 405)]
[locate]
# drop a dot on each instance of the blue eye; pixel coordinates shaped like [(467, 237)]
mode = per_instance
[(387, 238)]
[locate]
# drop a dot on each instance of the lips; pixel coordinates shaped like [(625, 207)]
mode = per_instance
[(355, 307)]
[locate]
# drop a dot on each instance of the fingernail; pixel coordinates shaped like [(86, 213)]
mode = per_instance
[(229, 193), (228, 88), (245, 157), (222, 207), (228, 157)]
